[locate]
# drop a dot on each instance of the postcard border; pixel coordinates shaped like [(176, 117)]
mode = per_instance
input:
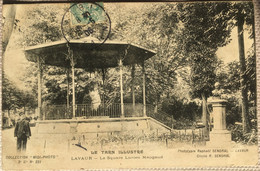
[(257, 46)]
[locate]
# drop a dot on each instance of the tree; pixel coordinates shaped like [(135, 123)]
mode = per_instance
[(243, 16), (14, 98), (44, 21), (251, 74), (205, 30), (183, 36), (9, 23), (227, 87), (9, 95), (158, 32)]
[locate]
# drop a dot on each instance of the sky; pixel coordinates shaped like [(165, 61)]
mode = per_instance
[(230, 52)]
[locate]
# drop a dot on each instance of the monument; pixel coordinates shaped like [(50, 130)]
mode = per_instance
[(219, 136)]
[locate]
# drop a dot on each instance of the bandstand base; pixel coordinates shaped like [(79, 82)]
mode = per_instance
[(96, 127)]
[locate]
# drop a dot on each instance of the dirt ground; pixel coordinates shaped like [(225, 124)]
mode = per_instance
[(64, 153)]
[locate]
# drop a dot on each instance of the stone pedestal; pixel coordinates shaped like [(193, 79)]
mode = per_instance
[(219, 136)]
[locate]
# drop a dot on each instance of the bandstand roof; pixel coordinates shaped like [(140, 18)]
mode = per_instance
[(86, 56)]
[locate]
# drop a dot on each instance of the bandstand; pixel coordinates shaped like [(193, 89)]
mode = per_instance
[(69, 118)]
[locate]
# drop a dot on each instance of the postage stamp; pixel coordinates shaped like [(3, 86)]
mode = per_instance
[(85, 13), (129, 85), (86, 21)]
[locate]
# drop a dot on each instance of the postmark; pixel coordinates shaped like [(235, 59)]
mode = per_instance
[(88, 22)]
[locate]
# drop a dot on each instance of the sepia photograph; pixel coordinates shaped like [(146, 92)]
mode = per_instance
[(109, 85)]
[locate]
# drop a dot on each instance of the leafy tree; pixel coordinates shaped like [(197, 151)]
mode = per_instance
[(251, 74), (9, 98), (45, 22), (243, 14), (205, 30), (14, 98), (227, 87), (156, 31), (184, 36)]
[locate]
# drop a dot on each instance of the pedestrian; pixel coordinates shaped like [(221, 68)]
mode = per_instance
[(22, 131)]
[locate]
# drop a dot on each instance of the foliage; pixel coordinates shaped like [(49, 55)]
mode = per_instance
[(228, 87), (163, 33), (251, 75), (47, 27), (155, 31), (241, 18), (203, 76), (239, 136), (245, 11), (180, 109), (14, 98), (9, 96), (185, 37), (203, 35)]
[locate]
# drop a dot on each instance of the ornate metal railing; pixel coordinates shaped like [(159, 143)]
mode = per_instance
[(53, 112)]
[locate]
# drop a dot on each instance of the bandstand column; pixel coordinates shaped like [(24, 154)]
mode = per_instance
[(39, 76), (73, 80), (133, 86), (68, 90), (144, 97), (73, 90), (103, 96), (121, 88)]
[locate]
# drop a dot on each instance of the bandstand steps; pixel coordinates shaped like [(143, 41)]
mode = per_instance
[(162, 119), (157, 125)]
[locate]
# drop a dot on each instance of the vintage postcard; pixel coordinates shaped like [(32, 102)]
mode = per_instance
[(111, 85)]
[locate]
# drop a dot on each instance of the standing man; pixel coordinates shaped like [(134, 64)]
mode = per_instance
[(22, 131)]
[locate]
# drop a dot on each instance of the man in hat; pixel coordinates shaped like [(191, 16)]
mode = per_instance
[(22, 131)]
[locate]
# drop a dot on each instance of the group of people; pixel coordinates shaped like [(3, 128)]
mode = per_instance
[(23, 132)]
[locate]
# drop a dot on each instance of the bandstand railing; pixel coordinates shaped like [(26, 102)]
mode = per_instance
[(54, 112)]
